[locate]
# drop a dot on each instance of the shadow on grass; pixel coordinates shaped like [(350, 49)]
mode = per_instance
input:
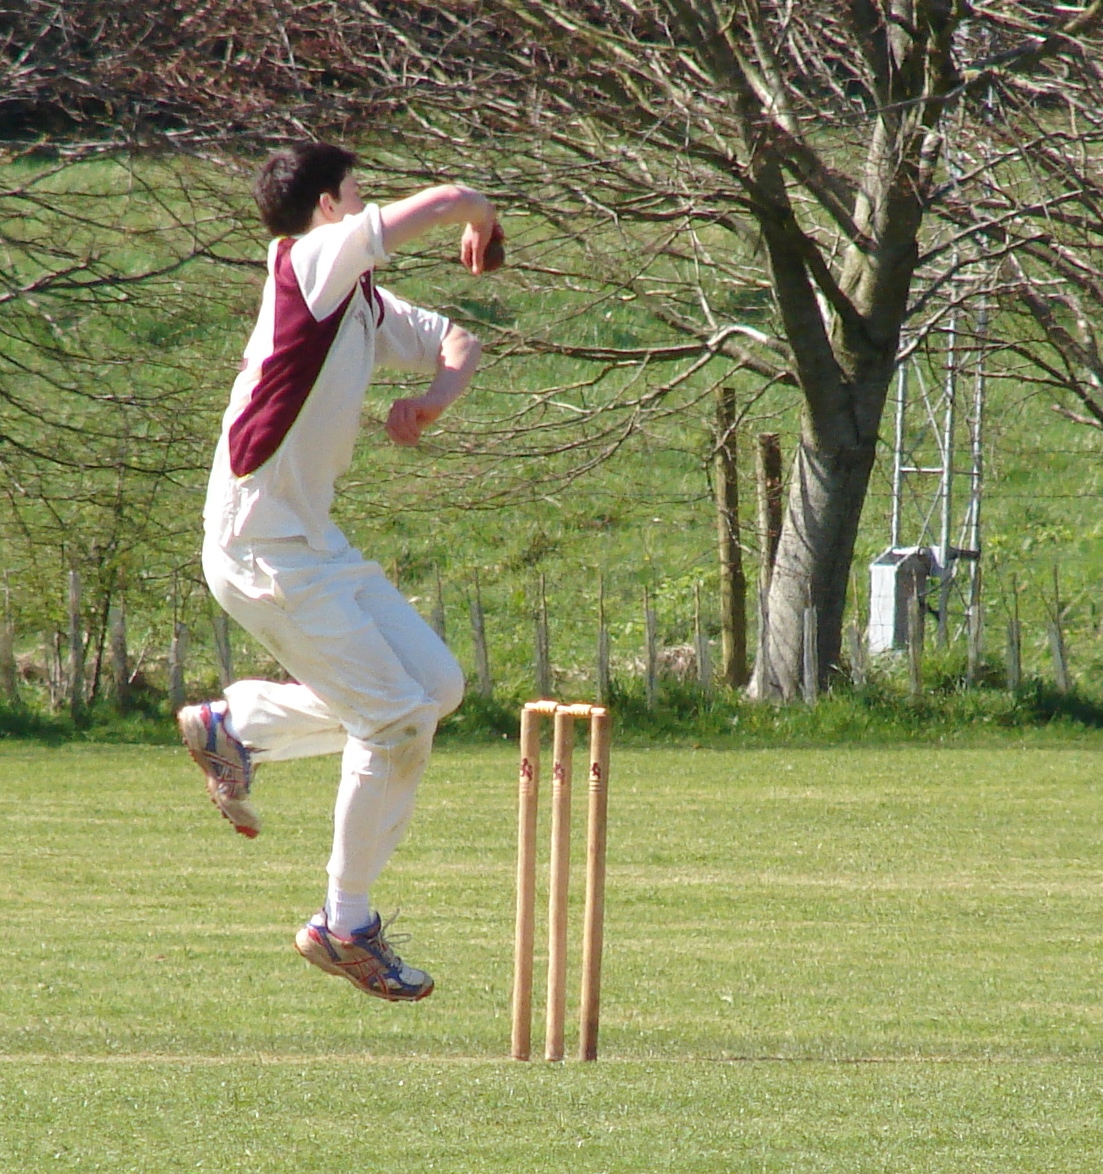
[(18, 721), (1038, 703), (146, 725)]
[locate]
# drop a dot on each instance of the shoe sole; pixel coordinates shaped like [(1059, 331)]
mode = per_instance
[(315, 954), (239, 812)]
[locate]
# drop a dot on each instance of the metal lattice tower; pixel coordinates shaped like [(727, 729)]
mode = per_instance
[(936, 487)]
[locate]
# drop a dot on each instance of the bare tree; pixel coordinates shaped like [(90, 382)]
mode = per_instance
[(880, 164), (887, 154), (769, 193), (104, 372)]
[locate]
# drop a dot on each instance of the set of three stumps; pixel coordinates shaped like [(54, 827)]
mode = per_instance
[(564, 718)]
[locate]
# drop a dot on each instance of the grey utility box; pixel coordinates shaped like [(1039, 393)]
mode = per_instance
[(894, 577)]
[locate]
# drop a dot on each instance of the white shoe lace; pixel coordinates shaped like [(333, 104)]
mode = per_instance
[(386, 944)]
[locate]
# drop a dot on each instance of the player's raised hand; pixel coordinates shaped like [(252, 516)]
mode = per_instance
[(482, 249)]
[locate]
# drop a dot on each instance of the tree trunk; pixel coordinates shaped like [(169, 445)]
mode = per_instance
[(812, 566)]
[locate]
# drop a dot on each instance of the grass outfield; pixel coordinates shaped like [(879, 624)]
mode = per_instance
[(847, 960)]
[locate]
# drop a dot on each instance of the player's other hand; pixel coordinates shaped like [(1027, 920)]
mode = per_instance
[(408, 418)]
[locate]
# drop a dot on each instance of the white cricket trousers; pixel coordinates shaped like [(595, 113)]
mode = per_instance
[(373, 680)]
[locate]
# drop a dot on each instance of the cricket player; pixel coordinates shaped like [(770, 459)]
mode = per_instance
[(371, 678)]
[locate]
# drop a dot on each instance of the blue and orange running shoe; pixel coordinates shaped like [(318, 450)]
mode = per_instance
[(366, 959), (225, 761)]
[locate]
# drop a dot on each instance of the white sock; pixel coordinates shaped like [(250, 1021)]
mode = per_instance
[(223, 707), (345, 911)]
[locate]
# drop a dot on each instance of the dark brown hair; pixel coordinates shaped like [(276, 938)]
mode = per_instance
[(289, 184)]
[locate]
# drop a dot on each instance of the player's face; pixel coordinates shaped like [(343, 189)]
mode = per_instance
[(349, 201)]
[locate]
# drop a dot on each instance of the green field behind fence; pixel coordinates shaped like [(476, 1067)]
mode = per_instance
[(643, 519), (853, 960)]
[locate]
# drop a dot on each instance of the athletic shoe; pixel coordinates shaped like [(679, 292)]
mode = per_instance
[(227, 764), (365, 959)]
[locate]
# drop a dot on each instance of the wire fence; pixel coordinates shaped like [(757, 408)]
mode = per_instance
[(74, 669)]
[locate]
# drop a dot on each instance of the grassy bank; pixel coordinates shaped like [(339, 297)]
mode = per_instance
[(882, 712)]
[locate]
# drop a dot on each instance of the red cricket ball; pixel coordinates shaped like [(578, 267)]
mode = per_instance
[(494, 255)]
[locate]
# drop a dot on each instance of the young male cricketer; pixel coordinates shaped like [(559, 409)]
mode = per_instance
[(371, 678)]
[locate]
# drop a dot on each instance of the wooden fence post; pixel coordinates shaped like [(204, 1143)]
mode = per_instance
[(7, 663), (436, 620), (975, 632), (701, 645), (762, 660), (178, 654), (55, 677), (76, 648), (9, 678), (768, 486), (652, 658), (1014, 641), (120, 660), (810, 636), (768, 482), (915, 640), (544, 683), (603, 674), (1014, 655), (220, 623), (1060, 657), (1057, 640), (478, 636), (858, 648), (858, 670), (733, 581)]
